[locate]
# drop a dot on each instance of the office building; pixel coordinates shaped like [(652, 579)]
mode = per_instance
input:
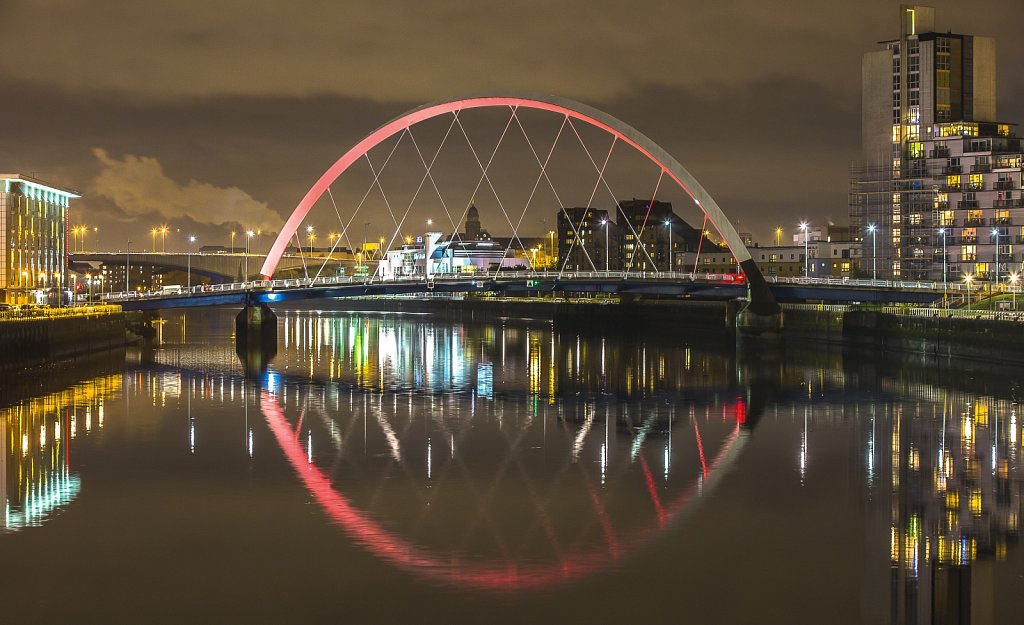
[(33, 237)]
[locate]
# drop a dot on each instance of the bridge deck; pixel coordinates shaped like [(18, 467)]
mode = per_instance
[(693, 286)]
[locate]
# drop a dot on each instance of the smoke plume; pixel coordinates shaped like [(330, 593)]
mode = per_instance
[(138, 186)]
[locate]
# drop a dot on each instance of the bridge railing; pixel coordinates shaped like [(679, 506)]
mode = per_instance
[(857, 282), (958, 313), (482, 280)]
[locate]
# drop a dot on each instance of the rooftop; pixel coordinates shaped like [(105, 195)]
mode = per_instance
[(37, 184)]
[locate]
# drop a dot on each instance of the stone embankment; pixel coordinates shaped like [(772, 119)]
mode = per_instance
[(51, 336)]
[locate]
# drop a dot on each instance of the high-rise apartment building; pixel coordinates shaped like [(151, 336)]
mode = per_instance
[(33, 237), (938, 173)]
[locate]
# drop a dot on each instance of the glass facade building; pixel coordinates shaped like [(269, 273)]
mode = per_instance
[(33, 236)]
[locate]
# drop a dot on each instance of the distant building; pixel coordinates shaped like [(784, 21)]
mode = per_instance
[(646, 236), (33, 237), (473, 229), (588, 240)]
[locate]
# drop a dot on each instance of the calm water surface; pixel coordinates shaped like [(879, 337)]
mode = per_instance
[(401, 468)]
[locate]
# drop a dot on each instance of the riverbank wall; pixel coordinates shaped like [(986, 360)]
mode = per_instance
[(993, 340), (37, 341)]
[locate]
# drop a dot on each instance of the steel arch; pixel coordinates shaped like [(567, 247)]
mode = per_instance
[(761, 299)]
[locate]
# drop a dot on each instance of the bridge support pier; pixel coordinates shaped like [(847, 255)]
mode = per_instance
[(256, 336), (759, 325)]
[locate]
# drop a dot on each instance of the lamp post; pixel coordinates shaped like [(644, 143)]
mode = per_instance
[(995, 235), (807, 271), (945, 298), (127, 266), (233, 233), (153, 232), (163, 239), (968, 278), (248, 237), (671, 265), (874, 251), (88, 281), (604, 222), (1014, 279), (191, 246), (778, 236), (551, 252)]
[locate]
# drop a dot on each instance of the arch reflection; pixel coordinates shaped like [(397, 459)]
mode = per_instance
[(475, 500)]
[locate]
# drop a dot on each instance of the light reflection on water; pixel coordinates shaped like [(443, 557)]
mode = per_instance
[(551, 463)]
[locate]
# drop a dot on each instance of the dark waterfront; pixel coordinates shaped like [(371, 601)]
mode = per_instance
[(403, 468)]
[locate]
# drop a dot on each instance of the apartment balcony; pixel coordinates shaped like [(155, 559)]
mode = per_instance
[(1000, 221), (973, 222), (948, 188), (939, 153), (1019, 239), (952, 169), (1004, 185), (962, 241), (967, 258), (942, 205), (983, 168), (967, 204), (975, 187)]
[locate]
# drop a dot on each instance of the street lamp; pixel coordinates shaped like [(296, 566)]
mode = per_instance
[(248, 237), (1014, 279), (874, 251), (153, 232), (995, 235), (945, 299), (163, 239), (551, 250), (127, 266), (671, 265), (233, 233), (807, 270), (604, 222), (88, 281), (192, 242), (968, 278)]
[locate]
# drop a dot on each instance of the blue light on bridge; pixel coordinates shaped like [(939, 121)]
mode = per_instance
[(273, 296)]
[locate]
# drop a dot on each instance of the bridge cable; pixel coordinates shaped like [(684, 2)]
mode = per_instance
[(610, 192), (412, 201), (387, 205), (700, 242), (590, 202), (544, 173), (643, 226), (490, 184), (536, 184), (428, 168)]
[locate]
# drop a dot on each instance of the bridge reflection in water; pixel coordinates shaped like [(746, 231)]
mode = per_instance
[(509, 455)]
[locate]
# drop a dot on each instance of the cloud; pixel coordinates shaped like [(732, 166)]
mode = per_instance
[(138, 186), (403, 50)]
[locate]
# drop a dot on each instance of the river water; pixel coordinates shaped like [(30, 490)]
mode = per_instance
[(389, 468)]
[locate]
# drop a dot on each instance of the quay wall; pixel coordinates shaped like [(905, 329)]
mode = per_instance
[(33, 342), (938, 336)]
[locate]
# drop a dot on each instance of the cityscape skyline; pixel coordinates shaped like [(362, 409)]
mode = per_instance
[(150, 154)]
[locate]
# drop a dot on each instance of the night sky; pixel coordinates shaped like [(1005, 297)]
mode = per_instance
[(217, 116)]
